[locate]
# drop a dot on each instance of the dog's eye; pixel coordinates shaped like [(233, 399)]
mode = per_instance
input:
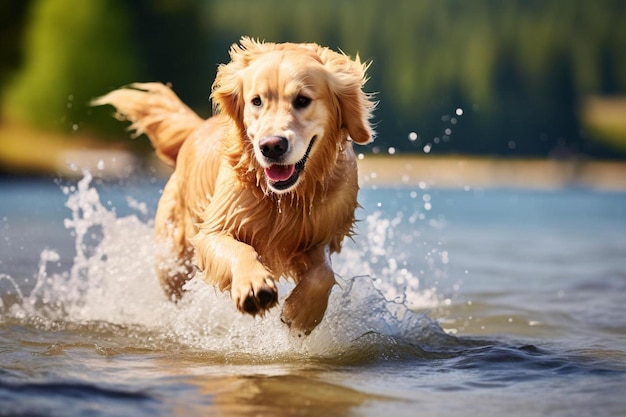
[(301, 102), (256, 101)]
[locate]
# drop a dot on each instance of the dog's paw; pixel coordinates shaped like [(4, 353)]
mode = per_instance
[(254, 296), (303, 318), (299, 327), (304, 309)]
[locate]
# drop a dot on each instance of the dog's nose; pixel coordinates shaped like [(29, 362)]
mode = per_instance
[(273, 147)]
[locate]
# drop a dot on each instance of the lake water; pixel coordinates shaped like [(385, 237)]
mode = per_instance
[(485, 302)]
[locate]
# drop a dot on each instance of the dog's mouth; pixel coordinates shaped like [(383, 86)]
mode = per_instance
[(284, 177)]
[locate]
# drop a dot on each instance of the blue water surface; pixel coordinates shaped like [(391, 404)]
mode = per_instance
[(517, 307)]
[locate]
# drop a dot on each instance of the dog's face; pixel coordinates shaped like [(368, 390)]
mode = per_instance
[(291, 101), (286, 109)]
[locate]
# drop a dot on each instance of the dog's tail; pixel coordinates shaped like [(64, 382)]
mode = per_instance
[(155, 110)]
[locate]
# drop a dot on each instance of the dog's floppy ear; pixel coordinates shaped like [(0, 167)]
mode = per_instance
[(227, 89), (355, 106)]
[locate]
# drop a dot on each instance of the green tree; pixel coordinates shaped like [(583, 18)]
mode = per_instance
[(73, 51), (518, 68), (12, 21)]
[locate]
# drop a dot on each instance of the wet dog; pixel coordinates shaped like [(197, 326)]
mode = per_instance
[(266, 188)]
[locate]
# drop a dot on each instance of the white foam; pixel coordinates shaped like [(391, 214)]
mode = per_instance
[(112, 280)]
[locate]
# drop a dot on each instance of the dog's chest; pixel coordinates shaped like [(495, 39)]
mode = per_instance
[(290, 227)]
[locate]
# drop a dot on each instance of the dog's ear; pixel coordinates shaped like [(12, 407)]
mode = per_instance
[(227, 89), (226, 92), (355, 106)]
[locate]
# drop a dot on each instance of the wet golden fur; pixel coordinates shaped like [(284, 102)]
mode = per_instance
[(221, 211)]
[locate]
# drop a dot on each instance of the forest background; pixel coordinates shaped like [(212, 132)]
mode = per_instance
[(498, 78)]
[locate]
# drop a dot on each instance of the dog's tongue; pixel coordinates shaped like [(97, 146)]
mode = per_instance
[(277, 173)]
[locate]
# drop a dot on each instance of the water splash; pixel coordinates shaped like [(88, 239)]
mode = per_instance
[(15, 287), (112, 280)]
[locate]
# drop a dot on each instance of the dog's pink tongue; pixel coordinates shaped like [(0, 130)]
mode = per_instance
[(279, 173)]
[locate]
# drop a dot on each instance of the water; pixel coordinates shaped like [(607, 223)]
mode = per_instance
[(480, 302)]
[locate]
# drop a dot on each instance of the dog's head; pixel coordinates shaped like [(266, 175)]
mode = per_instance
[(292, 102)]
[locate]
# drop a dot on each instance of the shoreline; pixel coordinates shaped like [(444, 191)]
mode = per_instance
[(50, 155), (458, 171)]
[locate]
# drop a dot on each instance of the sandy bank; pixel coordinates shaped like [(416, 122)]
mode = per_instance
[(25, 151), (461, 171)]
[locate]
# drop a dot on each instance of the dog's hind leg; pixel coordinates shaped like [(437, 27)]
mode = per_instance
[(174, 263), (174, 271), (305, 307)]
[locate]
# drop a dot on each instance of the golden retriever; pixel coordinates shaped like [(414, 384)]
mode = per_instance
[(266, 188)]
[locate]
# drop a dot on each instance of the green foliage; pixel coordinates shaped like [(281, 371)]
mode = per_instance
[(12, 16), (426, 45), (519, 69), (73, 51)]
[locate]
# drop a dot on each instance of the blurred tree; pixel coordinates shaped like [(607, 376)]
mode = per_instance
[(517, 68), (12, 22), (73, 51), (173, 48)]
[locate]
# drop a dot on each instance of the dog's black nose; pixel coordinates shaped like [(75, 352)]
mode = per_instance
[(273, 147)]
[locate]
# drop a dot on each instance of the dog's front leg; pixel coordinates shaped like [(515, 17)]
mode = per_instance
[(306, 305), (233, 265)]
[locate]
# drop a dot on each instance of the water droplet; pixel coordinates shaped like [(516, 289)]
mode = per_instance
[(427, 148), (445, 257), (459, 112), (413, 136)]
